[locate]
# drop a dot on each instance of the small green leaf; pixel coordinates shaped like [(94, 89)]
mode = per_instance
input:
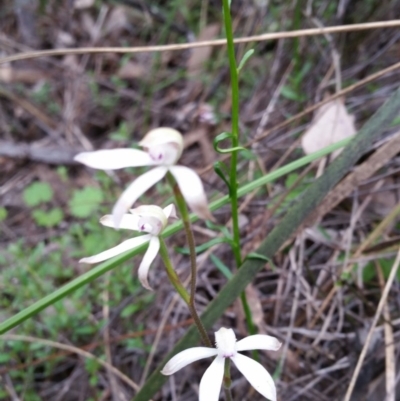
[(48, 219), (290, 94), (129, 310), (122, 134), (221, 266), (291, 179), (37, 193), (85, 201), (245, 58), (63, 173), (3, 213), (248, 154), (219, 166)]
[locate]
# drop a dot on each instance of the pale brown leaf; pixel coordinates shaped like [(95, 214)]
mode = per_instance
[(200, 55), (331, 124), (81, 4), (131, 70)]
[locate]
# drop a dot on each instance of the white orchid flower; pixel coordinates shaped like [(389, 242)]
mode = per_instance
[(162, 148), (227, 347), (147, 218)]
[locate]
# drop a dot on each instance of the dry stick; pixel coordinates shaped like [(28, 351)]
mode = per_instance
[(95, 344), (361, 172), (71, 349), (160, 332), (347, 269), (381, 304), (390, 349), (218, 42)]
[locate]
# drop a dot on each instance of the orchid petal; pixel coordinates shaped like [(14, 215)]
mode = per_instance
[(187, 357), (257, 375), (170, 211), (128, 222), (210, 384), (135, 190), (192, 190), (258, 341), (149, 256), (113, 159), (123, 247)]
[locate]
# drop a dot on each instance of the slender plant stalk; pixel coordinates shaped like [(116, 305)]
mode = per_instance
[(173, 277), (227, 380), (228, 394), (187, 225), (233, 184)]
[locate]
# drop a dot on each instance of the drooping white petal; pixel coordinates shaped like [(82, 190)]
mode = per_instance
[(210, 384), (170, 211), (258, 341), (257, 376), (192, 190), (187, 357), (113, 159), (128, 221), (135, 190), (149, 256), (124, 246)]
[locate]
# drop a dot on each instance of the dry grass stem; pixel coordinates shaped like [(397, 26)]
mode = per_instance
[(218, 42), (381, 304)]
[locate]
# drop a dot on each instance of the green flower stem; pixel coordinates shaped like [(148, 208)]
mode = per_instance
[(227, 380), (173, 277), (111, 264), (233, 185), (187, 225)]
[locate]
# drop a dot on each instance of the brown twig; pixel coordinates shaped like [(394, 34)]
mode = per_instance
[(218, 42)]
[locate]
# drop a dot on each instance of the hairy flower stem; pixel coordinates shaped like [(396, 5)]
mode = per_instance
[(233, 165), (180, 201), (176, 282), (173, 277), (227, 380)]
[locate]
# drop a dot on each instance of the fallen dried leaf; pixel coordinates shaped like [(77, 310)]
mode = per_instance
[(131, 70), (200, 55), (331, 124), (81, 4), (116, 21)]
